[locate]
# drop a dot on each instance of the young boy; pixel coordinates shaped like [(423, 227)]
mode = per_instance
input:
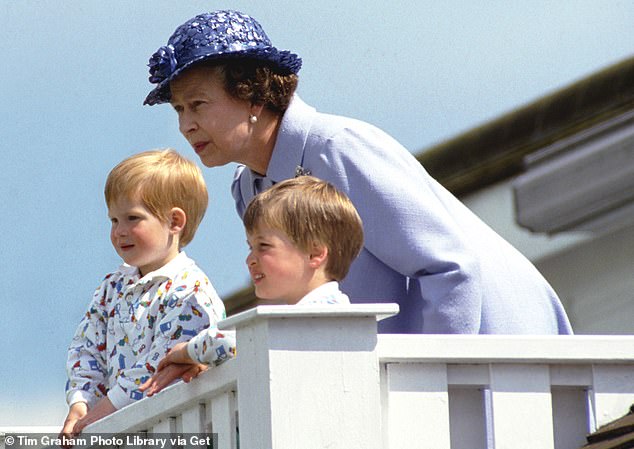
[(158, 298), (303, 234)]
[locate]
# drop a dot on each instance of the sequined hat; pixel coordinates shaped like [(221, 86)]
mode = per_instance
[(218, 34)]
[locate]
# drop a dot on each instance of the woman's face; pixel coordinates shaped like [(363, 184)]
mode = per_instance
[(214, 123)]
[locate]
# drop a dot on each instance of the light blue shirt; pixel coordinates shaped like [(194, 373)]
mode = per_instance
[(448, 271)]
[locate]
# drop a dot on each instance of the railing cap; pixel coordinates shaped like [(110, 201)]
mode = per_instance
[(393, 348), (378, 310)]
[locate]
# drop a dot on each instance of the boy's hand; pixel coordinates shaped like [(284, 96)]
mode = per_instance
[(178, 354), (103, 408), (77, 411), (168, 373)]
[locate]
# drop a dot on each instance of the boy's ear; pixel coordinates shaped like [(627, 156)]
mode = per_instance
[(318, 255), (177, 220)]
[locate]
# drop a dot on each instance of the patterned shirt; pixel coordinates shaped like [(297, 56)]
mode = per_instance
[(214, 347), (130, 325)]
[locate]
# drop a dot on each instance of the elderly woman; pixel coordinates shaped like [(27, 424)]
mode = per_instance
[(234, 93)]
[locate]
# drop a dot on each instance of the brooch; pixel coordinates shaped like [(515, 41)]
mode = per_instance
[(301, 171)]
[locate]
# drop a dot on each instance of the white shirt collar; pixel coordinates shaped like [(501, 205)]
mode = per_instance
[(327, 293), (172, 268)]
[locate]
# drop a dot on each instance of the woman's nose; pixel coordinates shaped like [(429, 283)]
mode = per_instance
[(186, 123)]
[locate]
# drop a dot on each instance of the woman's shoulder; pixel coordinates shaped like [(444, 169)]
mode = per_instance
[(335, 124), (347, 136), (323, 124)]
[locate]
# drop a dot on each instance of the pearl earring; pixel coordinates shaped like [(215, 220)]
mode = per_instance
[(253, 119)]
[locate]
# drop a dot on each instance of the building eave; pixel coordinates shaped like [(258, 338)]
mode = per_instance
[(495, 151)]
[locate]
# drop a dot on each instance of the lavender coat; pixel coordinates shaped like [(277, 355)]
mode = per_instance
[(448, 271)]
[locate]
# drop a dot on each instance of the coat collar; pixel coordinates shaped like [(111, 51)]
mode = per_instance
[(288, 153), (287, 156)]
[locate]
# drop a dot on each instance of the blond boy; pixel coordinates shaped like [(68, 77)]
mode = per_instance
[(303, 234), (156, 299)]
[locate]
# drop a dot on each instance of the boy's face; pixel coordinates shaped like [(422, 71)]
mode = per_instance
[(139, 237), (279, 270)]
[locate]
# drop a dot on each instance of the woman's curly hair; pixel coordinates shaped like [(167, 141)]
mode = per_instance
[(257, 82)]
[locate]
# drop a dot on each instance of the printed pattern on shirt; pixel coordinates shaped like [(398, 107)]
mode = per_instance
[(213, 346), (130, 325)]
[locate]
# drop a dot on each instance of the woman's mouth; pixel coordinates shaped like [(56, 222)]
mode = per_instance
[(199, 146)]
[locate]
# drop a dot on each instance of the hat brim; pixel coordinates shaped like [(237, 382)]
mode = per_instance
[(286, 61)]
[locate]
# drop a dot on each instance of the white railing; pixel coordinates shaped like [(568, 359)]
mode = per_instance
[(471, 392), (321, 378)]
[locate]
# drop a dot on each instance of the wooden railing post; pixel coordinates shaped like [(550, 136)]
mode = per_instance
[(309, 376)]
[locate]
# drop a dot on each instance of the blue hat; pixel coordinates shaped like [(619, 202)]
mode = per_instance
[(218, 34)]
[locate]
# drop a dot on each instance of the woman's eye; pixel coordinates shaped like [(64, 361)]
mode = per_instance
[(196, 104)]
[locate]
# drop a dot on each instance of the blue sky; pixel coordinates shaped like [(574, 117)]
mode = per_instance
[(74, 77)]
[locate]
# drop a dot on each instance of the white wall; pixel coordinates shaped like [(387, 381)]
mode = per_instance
[(596, 282)]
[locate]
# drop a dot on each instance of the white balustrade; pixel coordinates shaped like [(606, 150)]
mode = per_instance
[(486, 391), (315, 377)]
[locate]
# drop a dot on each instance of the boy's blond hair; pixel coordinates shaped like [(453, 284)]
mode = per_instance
[(310, 211), (163, 179)]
